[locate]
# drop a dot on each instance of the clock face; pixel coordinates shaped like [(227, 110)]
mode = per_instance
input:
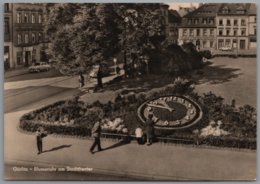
[(171, 112)]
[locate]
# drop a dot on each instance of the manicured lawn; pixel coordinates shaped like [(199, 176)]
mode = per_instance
[(228, 77), (231, 79)]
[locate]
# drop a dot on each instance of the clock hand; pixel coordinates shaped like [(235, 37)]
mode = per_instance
[(163, 107), (165, 104)]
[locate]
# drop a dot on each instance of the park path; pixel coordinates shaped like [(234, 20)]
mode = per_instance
[(158, 161)]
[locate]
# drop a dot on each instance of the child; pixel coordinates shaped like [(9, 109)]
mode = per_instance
[(139, 135), (39, 135)]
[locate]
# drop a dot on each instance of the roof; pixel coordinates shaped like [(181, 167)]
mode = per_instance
[(185, 10), (209, 11), (252, 9), (234, 9), (206, 10), (174, 16)]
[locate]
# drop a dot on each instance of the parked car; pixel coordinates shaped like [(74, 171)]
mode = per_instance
[(104, 69), (226, 48), (39, 67)]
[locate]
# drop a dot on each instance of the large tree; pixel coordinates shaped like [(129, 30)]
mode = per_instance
[(83, 35)]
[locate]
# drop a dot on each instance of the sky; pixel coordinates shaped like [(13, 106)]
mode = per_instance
[(175, 6)]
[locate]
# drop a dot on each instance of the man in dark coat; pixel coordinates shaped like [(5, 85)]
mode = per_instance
[(40, 134), (96, 132), (149, 129), (99, 77)]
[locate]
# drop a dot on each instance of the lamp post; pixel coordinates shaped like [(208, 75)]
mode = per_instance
[(115, 60), (147, 67), (237, 47), (125, 37)]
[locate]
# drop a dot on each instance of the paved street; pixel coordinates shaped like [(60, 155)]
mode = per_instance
[(24, 90)]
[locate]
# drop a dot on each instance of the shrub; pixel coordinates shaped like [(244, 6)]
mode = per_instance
[(206, 54)]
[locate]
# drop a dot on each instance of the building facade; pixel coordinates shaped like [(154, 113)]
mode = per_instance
[(199, 27), (233, 26), (252, 23), (223, 26), (174, 20), (24, 38)]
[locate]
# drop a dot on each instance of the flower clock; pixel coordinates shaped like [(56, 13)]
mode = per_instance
[(171, 112)]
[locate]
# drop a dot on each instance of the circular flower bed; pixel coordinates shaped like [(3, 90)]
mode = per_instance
[(221, 124)]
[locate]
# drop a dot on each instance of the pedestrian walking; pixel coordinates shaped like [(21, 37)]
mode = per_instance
[(99, 78), (96, 132), (149, 129), (139, 135), (81, 80), (40, 134)]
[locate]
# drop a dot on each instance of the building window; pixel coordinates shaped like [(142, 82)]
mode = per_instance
[(26, 18), (184, 32), (191, 32), (33, 38), (225, 10), (243, 32), (234, 44), (211, 44), (6, 26), (19, 58), (198, 32), (211, 32), (228, 32), (33, 18), (204, 44), (220, 32), (241, 11), (19, 18), (235, 32), (40, 37), (221, 22), (228, 42), (40, 19), (255, 19), (235, 22), (26, 38), (19, 39), (204, 21), (6, 7), (196, 21), (220, 43), (228, 22), (254, 31), (204, 32), (243, 22), (211, 21)]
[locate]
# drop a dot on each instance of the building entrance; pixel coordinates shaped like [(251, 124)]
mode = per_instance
[(27, 58)]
